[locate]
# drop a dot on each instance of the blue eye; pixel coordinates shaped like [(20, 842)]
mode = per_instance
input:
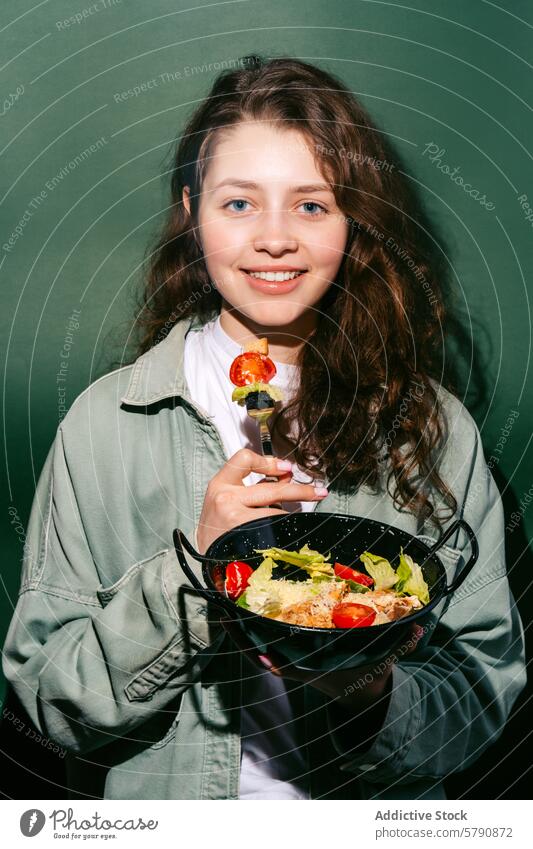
[(237, 200), (313, 210), (317, 206)]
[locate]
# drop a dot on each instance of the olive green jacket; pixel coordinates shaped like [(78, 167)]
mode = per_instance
[(112, 653)]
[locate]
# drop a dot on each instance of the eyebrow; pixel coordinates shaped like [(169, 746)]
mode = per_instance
[(247, 184)]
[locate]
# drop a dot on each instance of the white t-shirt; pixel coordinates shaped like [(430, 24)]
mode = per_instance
[(273, 765)]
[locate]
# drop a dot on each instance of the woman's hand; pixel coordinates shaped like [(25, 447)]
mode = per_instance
[(228, 502)]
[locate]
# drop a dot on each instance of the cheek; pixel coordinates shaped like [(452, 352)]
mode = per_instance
[(222, 241), (328, 249)]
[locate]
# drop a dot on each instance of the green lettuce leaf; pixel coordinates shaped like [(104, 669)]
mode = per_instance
[(267, 596), (319, 579), (242, 602), (357, 588), (312, 561), (240, 392), (415, 584), (380, 570), (411, 579), (403, 571), (258, 588)]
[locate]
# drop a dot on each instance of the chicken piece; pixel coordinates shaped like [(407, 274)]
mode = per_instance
[(315, 613), (396, 607), (381, 618), (388, 606), (403, 607)]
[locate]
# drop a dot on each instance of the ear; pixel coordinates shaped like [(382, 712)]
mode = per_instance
[(186, 198)]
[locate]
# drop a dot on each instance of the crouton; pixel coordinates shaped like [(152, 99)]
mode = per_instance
[(259, 345)]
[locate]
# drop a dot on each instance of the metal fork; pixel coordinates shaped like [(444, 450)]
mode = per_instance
[(257, 408)]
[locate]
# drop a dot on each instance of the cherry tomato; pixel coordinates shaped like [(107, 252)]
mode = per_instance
[(349, 615), (251, 367), (237, 575), (349, 574)]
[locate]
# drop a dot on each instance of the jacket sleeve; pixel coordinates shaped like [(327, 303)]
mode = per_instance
[(451, 698), (91, 663)]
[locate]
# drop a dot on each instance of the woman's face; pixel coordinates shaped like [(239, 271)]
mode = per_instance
[(264, 207)]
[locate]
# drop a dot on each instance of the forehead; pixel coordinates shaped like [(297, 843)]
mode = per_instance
[(262, 152)]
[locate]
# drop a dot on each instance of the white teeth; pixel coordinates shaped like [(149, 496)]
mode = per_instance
[(275, 276)]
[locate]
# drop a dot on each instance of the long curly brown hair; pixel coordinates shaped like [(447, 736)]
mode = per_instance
[(377, 350)]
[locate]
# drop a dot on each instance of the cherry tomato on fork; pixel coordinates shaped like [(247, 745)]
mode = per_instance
[(237, 575), (349, 574), (350, 615), (251, 367)]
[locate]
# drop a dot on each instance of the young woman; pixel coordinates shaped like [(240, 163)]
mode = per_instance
[(280, 171)]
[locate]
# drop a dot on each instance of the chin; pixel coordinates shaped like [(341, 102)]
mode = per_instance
[(275, 314)]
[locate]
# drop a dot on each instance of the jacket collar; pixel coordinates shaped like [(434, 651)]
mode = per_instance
[(159, 373)]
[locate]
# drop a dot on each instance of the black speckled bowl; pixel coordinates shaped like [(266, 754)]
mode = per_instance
[(345, 537)]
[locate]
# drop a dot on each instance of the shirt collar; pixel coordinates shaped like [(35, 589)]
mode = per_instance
[(159, 373)]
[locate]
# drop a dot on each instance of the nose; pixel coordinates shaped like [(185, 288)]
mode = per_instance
[(274, 233)]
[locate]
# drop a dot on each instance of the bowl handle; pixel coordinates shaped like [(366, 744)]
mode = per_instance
[(181, 541), (458, 580)]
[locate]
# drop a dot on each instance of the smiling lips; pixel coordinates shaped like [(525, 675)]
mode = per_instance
[(274, 274), (274, 281)]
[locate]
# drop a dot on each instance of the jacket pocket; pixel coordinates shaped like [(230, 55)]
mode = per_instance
[(189, 633), (189, 608), (170, 733)]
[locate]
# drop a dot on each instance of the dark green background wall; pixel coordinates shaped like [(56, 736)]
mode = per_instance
[(453, 73)]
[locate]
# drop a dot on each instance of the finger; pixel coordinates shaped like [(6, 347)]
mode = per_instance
[(267, 493), (245, 461), (282, 477)]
